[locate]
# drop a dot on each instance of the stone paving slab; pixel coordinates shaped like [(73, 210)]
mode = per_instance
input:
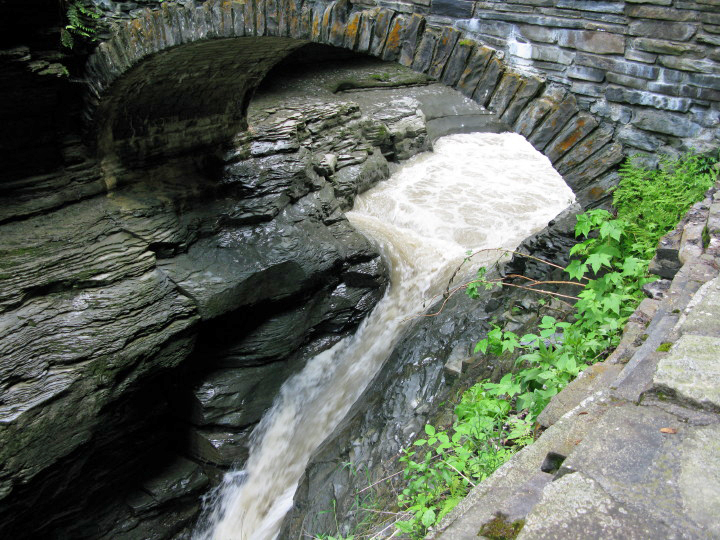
[(629, 479), (691, 372), (575, 506), (702, 315)]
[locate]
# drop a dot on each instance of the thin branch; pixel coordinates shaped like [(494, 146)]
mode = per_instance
[(520, 276), (381, 480), (461, 474), (381, 512), (376, 535)]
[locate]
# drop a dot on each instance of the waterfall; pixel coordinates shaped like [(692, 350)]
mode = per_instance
[(474, 191)]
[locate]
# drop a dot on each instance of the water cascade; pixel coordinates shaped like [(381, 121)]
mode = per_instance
[(475, 191)]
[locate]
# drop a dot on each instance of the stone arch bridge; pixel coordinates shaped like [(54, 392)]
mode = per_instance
[(587, 83)]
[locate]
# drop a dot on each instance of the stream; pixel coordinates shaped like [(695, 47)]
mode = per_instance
[(475, 191)]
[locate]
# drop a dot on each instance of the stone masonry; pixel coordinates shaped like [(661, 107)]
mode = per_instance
[(587, 83)]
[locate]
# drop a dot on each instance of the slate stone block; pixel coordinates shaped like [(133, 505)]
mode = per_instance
[(554, 122), (533, 114), (380, 31), (660, 13), (672, 31), (352, 30), (457, 9), (475, 68), (585, 73), (540, 33), (509, 85), (691, 372), (445, 46), (638, 97), (576, 129), (627, 80), (590, 144), (546, 53), (594, 166), (365, 33), (640, 56), (638, 138), (663, 46), (394, 42), (591, 5), (594, 42), (617, 65), (487, 84), (411, 38), (530, 88), (457, 62), (425, 51), (689, 64), (666, 123)]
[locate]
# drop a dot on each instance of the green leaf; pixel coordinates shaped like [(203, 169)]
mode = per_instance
[(430, 430), (598, 260), (612, 302), (583, 225), (614, 229), (481, 346), (576, 269), (404, 526), (428, 517)]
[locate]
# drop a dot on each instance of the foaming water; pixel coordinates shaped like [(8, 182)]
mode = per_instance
[(475, 191)]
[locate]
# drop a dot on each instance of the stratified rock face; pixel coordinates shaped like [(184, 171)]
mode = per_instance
[(234, 267)]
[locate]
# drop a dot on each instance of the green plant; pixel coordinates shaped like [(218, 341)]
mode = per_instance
[(494, 420), (80, 23), (652, 201)]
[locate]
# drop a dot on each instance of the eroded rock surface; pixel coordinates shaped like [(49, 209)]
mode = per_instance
[(191, 289)]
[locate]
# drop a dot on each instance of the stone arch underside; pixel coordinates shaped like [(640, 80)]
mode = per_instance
[(180, 78)]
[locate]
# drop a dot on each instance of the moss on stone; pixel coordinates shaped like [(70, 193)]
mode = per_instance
[(664, 347), (499, 528)]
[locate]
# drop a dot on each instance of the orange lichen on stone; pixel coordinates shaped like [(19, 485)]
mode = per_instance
[(315, 27), (351, 30), (326, 17), (392, 42), (573, 138)]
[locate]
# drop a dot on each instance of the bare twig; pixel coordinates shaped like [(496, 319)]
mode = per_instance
[(381, 480), (461, 474)]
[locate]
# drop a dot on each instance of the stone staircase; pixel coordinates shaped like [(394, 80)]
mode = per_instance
[(632, 446)]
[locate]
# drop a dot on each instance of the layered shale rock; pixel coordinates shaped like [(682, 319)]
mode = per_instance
[(192, 289)]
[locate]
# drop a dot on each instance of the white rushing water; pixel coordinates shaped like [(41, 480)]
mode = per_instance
[(475, 191)]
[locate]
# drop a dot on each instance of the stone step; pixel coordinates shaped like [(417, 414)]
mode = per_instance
[(640, 473)]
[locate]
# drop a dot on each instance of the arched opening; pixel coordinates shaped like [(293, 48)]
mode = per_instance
[(221, 74)]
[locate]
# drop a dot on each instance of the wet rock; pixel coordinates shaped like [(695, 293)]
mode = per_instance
[(110, 293)]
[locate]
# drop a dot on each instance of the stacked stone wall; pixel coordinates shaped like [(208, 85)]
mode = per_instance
[(587, 83), (650, 66)]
